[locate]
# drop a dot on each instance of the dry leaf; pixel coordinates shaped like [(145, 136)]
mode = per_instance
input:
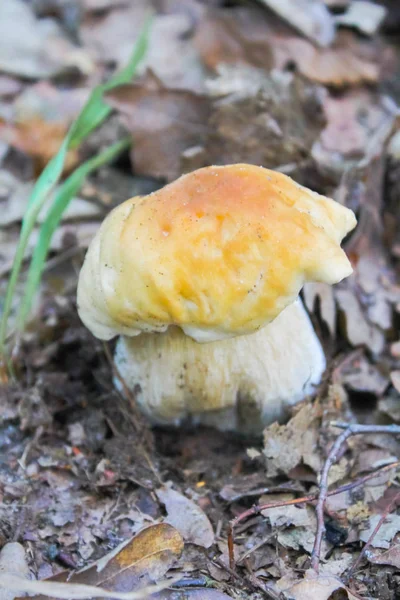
[(187, 517), (348, 61), (317, 587), (234, 37), (36, 48), (144, 558), (72, 591), (163, 124), (395, 379), (322, 294), (39, 139), (286, 446), (358, 330), (13, 562), (386, 532), (365, 16), (310, 17), (270, 120), (391, 557)]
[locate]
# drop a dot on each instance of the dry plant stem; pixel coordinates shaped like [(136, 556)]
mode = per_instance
[(379, 524), (349, 430), (257, 508)]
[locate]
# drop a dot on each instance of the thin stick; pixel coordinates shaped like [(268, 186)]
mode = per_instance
[(373, 534), (349, 430), (257, 508)]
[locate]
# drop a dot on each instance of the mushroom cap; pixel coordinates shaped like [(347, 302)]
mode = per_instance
[(220, 252)]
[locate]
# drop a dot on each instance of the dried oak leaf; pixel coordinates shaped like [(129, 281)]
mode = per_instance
[(391, 557), (187, 517), (171, 55), (39, 139), (270, 120), (36, 48), (347, 62), (236, 37), (287, 446), (386, 532), (163, 123), (318, 587), (145, 557)]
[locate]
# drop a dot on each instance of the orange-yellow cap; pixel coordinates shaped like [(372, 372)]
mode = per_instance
[(219, 252)]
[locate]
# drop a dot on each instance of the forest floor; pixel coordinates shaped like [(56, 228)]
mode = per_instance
[(80, 471)]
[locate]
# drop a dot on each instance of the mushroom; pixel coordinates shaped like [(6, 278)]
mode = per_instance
[(201, 280)]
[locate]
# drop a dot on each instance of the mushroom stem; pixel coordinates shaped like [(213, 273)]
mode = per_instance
[(241, 383)]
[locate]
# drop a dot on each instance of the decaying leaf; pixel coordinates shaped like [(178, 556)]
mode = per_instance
[(395, 379), (270, 120), (310, 17), (366, 16), (385, 533), (322, 294), (144, 558), (12, 562), (163, 123), (287, 446), (187, 517), (358, 331), (39, 139), (35, 48), (347, 61), (234, 37), (391, 557), (318, 587)]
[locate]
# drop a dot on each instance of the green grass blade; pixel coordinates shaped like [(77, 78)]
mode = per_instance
[(96, 110), (62, 199), (43, 187), (91, 116)]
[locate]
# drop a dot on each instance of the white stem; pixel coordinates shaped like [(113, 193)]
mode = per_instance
[(241, 383)]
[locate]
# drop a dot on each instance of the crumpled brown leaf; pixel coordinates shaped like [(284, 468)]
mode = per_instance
[(310, 17), (390, 557), (270, 120), (144, 558), (163, 123), (187, 517), (386, 532), (287, 446), (317, 587), (347, 62), (36, 48), (234, 37)]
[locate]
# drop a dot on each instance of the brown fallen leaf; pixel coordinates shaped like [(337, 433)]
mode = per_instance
[(40, 140), (287, 446), (144, 558), (187, 517), (322, 294), (391, 557), (270, 120), (234, 37), (386, 532), (163, 123), (395, 379), (35, 48), (310, 17), (347, 62), (13, 562), (318, 587)]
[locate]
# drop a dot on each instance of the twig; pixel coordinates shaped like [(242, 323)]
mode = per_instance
[(349, 430), (379, 524), (257, 508)]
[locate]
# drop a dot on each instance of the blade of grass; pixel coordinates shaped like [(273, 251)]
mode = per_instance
[(91, 116), (62, 199)]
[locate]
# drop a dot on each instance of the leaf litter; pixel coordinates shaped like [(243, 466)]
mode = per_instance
[(309, 92)]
